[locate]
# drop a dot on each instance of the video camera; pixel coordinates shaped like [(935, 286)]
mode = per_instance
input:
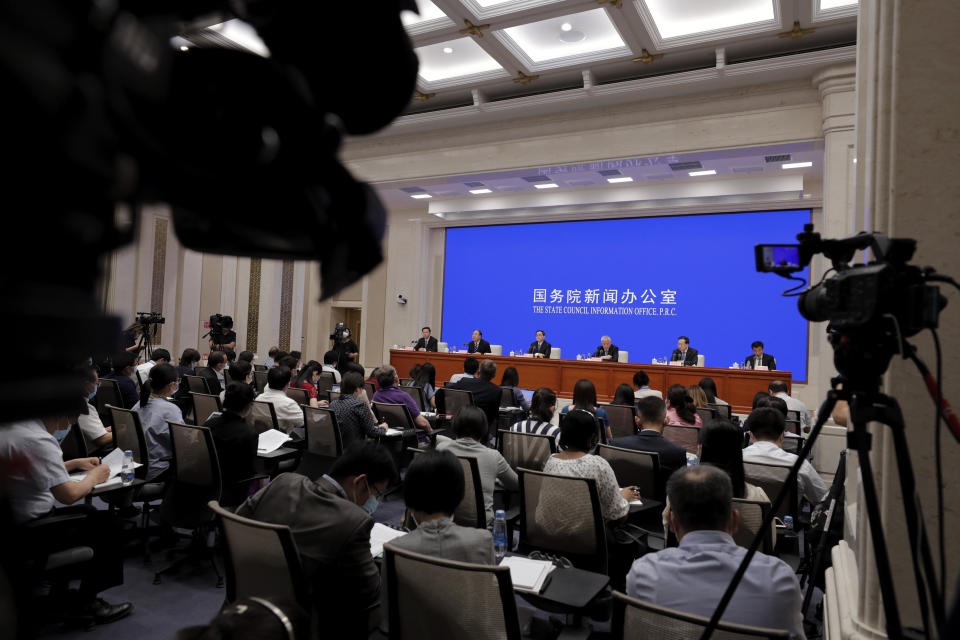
[(220, 322), (871, 307), (146, 318), (338, 331)]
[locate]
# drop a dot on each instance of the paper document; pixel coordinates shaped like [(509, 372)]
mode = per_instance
[(380, 535), (394, 432), (271, 440), (428, 414), (527, 574), (114, 460)]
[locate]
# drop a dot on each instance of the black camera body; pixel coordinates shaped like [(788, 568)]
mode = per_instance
[(220, 322), (338, 331), (146, 318)]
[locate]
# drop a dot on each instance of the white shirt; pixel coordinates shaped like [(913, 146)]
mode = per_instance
[(143, 371), (333, 370), (91, 426), (32, 462), (796, 405), (459, 376), (809, 481), (289, 413), (647, 391)]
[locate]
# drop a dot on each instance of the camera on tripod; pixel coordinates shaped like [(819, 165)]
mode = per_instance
[(220, 322), (338, 331), (147, 318)]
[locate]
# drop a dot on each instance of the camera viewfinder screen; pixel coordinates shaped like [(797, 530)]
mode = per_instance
[(781, 256)]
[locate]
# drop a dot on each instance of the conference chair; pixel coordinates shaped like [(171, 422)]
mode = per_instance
[(198, 371), (196, 481), (770, 478), (792, 426), (331, 396), (418, 396), (73, 445), (723, 410), (752, 513), (561, 515), (686, 437), (601, 432), (554, 353), (442, 347), (197, 384), (621, 418), (450, 401), (507, 397), (326, 381), (259, 381), (791, 415), (370, 389), (263, 416), (430, 597), (471, 511), (259, 367), (404, 381), (635, 468), (128, 436), (622, 356), (634, 618), (398, 416), (324, 442), (261, 559), (204, 404), (496, 349), (107, 394), (301, 396), (525, 450), (707, 414), (700, 360), (226, 377)]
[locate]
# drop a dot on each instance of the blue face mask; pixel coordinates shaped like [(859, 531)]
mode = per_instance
[(95, 389), (60, 434), (372, 502)]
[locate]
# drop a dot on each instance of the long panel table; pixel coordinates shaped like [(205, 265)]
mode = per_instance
[(736, 386)]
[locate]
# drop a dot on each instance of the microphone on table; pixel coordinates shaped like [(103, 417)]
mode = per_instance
[(414, 341)]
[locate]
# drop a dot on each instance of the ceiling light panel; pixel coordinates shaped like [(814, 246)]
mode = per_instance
[(430, 18), (796, 165), (242, 34), (488, 8), (680, 22), (466, 61), (592, 36), (826, 5)]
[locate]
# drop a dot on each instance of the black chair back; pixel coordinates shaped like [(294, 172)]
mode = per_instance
[(707, 414), (686, 437), (301, 396), (507, 397), (332, 395), (370, 388), (450, 401), (326, 381), (793, 415), (322, 432), (752, 514), (226, 377), (723, 410), (197, 384), (204, 404), (259, 381), (196, 477), (621, 418), (525, 450), (263, 416), (770, 478), (416, 393), (259, 367), (397, 416), (128, 436), (73, 445), (635, 468), (793, 426), (107, 394)]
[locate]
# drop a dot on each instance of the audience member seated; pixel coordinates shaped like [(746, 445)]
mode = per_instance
[(213, 374), (390, 392), (330, 359), (432, 489), (235, 441), (187, 367), (240, 371), (354, 418), (470, 428), (35, 479), (585, 399), (486, 395), (766, 426), (231, 356), (290, 362), (542, 408), (710, 389), (511, 380), (653, 414), (245, 356), (624, 395), (331, 521), (289, 413), (296, 355), (122, 373), (307, 380), (426, 379), (641, 382), (693, 576), (698, 396), (778, 389), (278, 358), (680, 408), (470, 367), (155, 409), (757, 397), (270, 361), (159, 356), (373, 378), (95, 435), (578, 436)]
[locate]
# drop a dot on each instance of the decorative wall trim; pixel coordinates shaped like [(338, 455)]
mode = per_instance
[(159, 269), (286, 304), (253, 305)]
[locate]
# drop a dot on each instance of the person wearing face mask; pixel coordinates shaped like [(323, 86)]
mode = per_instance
[(330, 519), (239, 371), (155, 409), (347, 350), (235, 442), (95, 434), (35, 480)]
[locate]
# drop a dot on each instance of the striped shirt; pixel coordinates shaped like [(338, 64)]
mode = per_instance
[(536, 426)]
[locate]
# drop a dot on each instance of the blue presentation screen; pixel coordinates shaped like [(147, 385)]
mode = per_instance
[(642, 281)]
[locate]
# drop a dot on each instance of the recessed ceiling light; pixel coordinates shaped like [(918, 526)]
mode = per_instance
[(573, 36), (448, 49), (184, 48), (477, 192), (708, 172), (421, 196), (566, 26), (795, 165), (548, 185), (620, 179)]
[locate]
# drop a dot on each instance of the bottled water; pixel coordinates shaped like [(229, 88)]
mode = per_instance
[(126, 473), (788, 523), (500, 534)]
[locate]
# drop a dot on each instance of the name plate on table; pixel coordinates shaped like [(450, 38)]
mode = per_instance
[(761, 368), (408, 349), (594, 359), (676, 363), (526, 355)]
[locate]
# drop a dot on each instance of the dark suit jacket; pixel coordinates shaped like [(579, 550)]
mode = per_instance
[(486, 396), (236, 444), (128, 389), (543, 348), (672, 456), (483, 348), (766, 360), (614, 352), (691, 359), (213, 382), (431, 344), (333, 537)]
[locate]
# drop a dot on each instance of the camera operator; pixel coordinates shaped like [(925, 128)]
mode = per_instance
[(346, 350), (226, 338), (131, 338)]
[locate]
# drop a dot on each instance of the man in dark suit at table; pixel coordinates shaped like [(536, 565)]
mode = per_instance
[(759, 358), (478, 344), (607, 350), (684, 353), (427, 342), (653, 413), (486, 395), (540, 348)]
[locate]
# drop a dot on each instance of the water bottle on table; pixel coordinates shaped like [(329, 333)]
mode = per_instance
[(500, 534), (126, 472)]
